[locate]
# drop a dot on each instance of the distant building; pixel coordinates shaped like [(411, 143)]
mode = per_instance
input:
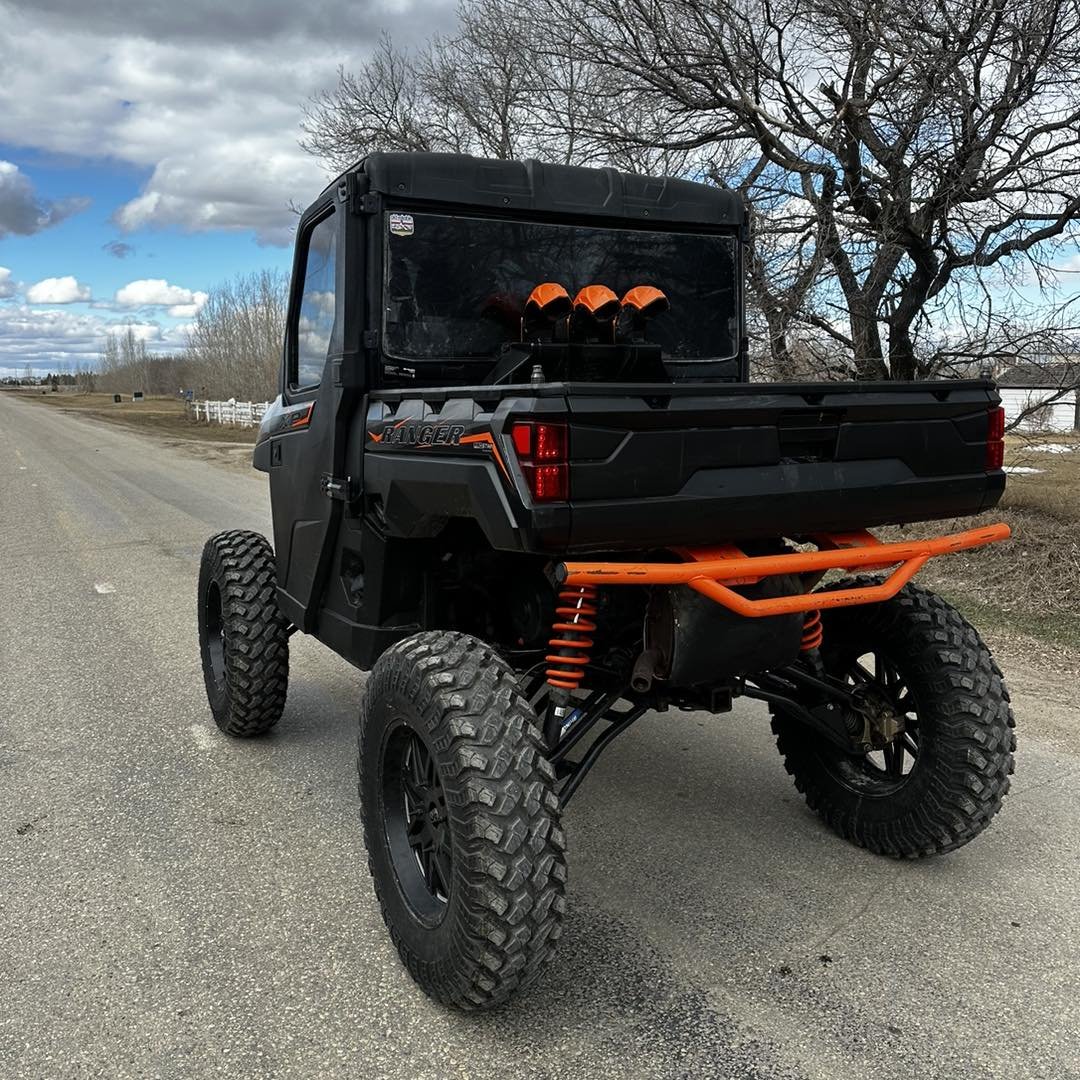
[(1047, 393)]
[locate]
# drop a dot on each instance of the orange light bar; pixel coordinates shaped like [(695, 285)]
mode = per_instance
[(706, 575)]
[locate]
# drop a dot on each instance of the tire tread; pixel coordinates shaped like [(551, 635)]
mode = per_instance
[(257, 642), (501, 786), (974, 726)]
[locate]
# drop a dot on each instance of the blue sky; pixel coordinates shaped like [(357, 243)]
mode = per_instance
[(171, 130)]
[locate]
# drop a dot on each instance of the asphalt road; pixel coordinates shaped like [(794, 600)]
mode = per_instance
[(176, 904)]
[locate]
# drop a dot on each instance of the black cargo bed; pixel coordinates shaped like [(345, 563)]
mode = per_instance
[(698, 463)]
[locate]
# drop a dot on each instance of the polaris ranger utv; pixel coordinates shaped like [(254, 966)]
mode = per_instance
[(518, 472)]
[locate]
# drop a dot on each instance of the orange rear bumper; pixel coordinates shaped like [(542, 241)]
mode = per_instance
[(713, 570)]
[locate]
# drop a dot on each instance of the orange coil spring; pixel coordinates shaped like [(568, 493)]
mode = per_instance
[(571, 637), (812, 631)]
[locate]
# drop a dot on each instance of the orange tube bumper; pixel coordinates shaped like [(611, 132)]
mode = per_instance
[(708, 575)]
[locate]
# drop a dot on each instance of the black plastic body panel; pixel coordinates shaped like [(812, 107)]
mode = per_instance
[(665, 466)]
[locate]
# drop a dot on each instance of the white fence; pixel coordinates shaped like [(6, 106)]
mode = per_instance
[(236, 413)]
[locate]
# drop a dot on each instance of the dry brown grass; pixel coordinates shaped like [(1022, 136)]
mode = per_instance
[(157, 415), (1031, 582)]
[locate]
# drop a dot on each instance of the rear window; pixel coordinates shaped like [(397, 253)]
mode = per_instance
[(456, 286)]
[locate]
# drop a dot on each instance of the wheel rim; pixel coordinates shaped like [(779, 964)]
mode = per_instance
[(215, 634), (881, 772), (417, 823)]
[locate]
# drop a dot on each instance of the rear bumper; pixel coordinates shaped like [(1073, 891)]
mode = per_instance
[(712, 572)]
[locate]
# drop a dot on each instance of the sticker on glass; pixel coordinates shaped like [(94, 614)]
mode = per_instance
[(401, 224)]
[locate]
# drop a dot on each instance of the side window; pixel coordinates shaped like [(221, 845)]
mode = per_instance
[(315, 326)]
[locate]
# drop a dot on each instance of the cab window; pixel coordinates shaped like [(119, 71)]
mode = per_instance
[(313, 326)]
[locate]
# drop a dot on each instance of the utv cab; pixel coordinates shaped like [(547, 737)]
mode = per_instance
[(518, 473)]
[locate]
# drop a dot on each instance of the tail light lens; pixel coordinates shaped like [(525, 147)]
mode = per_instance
[(995, 439), (542, 452)]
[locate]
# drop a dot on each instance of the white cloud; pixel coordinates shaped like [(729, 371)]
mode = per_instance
[(51, 338), (22, 211), (157, 292), (188, 311), (147, 332), (7, 286), (208, 100), (226, 191), (58, 290)]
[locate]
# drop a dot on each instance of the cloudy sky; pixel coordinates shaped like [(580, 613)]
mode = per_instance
[(149, 150)]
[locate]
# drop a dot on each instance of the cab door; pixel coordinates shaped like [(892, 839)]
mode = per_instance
[(302, 451)]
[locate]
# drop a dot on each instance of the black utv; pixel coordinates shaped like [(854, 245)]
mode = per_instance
[(518, 472)]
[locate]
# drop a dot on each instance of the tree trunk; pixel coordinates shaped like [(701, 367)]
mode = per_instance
[(782, 362), (866, 337), (902, 363)]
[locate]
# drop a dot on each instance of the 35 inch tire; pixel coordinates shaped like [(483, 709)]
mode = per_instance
[(243, 637), (960, 720), (447, 701)]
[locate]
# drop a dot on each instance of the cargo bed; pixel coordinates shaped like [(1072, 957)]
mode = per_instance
[(651, 466)]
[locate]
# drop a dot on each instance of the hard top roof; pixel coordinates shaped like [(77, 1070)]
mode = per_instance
[(536, 186)]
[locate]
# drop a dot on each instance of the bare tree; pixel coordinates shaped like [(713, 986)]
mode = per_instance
[(234, 346), (923, 144), (236, 339), (493, 88), (907, 161)]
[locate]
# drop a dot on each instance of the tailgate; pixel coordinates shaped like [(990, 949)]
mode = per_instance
[(692, 464)]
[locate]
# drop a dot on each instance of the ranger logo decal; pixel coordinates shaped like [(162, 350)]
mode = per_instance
[(419, 434), (408, 433)]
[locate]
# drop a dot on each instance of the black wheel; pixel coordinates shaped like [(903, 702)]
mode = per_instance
[(243, 637), (932, 703), (461, 821)]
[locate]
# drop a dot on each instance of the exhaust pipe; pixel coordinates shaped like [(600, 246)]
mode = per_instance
[(641, 678)]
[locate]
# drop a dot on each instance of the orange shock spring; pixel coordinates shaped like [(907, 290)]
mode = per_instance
[(812, 632), (571, 637)]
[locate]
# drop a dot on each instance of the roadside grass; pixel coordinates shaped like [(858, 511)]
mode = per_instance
[(1028, 586), (158, 415)]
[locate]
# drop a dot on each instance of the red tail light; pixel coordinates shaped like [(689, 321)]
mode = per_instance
[(542, 451), (995, 439)]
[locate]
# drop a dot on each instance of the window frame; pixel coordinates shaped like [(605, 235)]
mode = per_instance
[(292, 389)]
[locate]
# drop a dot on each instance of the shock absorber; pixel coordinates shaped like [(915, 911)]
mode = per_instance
[(813, 631), (571, 637), (570, 644)]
